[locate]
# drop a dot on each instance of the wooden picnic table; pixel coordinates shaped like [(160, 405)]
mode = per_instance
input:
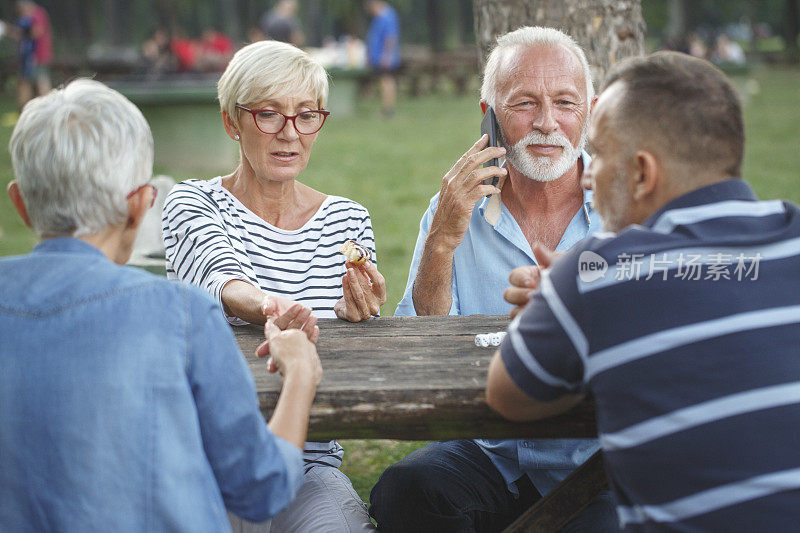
[(423, 378), (407, 378)]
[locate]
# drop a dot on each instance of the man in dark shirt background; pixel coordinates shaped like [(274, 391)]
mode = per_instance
[(280, 23)]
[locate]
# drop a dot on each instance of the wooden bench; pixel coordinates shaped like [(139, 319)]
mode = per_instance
[(423, 378), (422, 70)]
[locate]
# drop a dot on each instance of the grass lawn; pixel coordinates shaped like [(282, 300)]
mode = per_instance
[(393, 168)]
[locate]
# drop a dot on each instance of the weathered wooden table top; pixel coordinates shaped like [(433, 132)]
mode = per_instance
[(415, 378)]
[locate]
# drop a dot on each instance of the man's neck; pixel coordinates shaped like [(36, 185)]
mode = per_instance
[(116, 242), (543, 210), (525, 197)]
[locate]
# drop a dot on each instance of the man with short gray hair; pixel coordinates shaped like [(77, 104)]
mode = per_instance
[(682, 320), (125, 403), (538, 82)]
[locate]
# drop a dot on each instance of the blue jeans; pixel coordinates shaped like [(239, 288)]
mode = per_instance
[(453, 487)]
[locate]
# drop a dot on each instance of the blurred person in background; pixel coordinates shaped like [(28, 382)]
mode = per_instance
[(157, 54), (383, 51), (267, 246), (125, 403), (35, 40), (216, 49), (255, 34), (185, 50), (697, 47), (728, 51), (280, 23)]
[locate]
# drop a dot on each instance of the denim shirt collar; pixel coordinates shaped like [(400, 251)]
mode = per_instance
[(68, 245)]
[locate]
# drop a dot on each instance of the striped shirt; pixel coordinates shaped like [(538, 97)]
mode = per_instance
[(211, 238), (686, 330)]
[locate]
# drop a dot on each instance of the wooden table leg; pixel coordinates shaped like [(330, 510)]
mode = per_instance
[(565, 501)]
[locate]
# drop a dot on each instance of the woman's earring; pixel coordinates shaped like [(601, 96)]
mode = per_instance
[(236, 136)]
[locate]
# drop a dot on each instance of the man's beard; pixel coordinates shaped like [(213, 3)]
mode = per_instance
[(543, 168)]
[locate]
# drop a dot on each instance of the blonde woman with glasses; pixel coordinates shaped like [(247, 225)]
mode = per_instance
[(267, 246)]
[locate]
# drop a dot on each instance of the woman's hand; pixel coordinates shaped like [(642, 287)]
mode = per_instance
[(287, 314), (295, 357), (364, 293), (290, 353)]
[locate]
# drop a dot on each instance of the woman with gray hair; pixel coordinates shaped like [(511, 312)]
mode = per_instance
[(267, 246), (125, 403)]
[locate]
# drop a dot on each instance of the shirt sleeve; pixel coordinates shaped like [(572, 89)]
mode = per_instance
[(258, 473), (545, 349), (406, 305), (197, 245)]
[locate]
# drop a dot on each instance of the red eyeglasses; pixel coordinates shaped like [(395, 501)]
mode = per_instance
[(270, 121), (139, 188)]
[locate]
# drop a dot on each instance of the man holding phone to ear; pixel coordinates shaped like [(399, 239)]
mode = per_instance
[(538, 83)]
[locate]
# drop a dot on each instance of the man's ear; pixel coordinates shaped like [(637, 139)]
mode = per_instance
[(648, 175), (138, 204), (592, 104), (19, 203), (484, 106), (230, 128)]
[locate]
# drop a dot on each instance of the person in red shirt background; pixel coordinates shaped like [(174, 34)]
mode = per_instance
[(216, 49), (35, 36)]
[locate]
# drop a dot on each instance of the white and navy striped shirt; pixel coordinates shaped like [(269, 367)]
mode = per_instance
[(211, 238), (686, 330)]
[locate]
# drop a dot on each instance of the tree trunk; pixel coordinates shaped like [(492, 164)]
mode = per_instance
[(608, 30), (676, 25), (792, 29), (231, 21), (435, 26), (111, 16)]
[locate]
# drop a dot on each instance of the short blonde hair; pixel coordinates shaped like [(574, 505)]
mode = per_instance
[(269, 69)]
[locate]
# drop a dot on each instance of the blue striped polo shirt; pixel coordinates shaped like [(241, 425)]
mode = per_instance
[(686, 329)]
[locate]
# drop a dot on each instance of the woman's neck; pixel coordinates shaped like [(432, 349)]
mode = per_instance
[(284, 204)]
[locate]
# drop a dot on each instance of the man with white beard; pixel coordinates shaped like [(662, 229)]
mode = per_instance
[(538, 82)]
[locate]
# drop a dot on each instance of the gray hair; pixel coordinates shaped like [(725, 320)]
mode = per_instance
[(270, 69), (77, 152), (529, 36)]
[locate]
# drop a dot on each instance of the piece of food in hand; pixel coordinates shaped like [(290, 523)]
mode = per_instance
[(356, 253)]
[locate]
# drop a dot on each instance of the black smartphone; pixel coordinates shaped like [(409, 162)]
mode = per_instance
[(490, 127)]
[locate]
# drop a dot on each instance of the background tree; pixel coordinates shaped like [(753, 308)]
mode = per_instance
[(792, 29), (608, 30)]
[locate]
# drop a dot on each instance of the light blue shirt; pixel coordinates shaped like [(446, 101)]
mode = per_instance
[(481, 265), (125, 403)]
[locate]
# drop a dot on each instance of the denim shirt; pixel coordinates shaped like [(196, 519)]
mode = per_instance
[(481, 265), (125, 403)]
